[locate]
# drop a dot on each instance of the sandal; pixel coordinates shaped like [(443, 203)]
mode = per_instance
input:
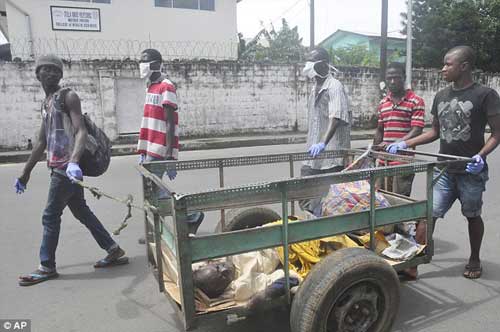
[(473, 272), (115, 257), (37, 277)]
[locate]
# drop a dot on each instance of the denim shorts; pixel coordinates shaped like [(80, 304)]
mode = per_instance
[(467, 188)]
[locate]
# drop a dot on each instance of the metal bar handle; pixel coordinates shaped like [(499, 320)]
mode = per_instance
[(447, 156)]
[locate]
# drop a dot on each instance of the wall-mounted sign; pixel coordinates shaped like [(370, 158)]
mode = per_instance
[(75, 18)]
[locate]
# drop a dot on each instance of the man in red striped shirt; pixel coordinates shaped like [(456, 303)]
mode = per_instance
[(159, 133), (400, 117)]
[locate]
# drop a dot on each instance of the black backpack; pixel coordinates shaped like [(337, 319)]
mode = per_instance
[(97, 155)]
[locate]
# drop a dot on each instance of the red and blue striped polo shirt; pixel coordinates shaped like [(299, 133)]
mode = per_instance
[(398, 119)]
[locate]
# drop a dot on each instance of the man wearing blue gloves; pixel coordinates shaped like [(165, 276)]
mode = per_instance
[(159, 132), (400, 117), (461, 112), (63, 134), (329, 119)]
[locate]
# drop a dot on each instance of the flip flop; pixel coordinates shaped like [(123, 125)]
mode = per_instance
[(36, 277), (473, 272), (107, 263)]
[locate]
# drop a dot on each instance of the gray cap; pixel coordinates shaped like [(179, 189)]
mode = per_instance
[(49, 60)]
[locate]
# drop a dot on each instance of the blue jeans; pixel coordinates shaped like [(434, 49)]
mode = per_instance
[(467, 188), (63, 193), (162, 194)]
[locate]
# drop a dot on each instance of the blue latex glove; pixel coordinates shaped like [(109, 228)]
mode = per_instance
[(477, 166), (395, 147), (20, 188), (74, 172), (171, 173), (316, 149), (142, 158)]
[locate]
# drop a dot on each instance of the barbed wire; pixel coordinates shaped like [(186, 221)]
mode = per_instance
[(80, 49)]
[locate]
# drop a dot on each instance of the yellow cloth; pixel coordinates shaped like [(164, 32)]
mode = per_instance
[(302, 256), (337, 242), (380, 241)]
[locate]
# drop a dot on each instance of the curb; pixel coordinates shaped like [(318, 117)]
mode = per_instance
[(193, 145)]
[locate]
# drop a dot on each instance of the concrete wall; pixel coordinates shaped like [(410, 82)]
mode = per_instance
[(17, 25), (137, 24), (215, 98), (3, 21), (21, 96)]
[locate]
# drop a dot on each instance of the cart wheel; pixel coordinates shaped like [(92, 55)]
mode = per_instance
[(351, 290), (247, 218)]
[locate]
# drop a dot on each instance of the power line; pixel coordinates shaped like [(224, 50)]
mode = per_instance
[(302, 10), (286, 11)]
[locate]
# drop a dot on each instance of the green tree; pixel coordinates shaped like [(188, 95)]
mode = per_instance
[(439, 25), (358, 55), (284, 45), (241, 45)]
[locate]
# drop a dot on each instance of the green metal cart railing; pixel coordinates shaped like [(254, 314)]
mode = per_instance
[(172, 236)]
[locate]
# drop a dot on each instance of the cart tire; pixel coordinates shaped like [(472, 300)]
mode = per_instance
[(351, 290), (247, 218)]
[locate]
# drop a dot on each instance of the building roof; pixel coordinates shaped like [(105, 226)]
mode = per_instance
[(339, 33)]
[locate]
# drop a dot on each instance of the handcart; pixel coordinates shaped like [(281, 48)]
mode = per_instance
[(349, 290)]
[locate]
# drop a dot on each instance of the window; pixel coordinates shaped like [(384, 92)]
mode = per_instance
[(207, 4), (94, 1), (163, 3), (187, 4)]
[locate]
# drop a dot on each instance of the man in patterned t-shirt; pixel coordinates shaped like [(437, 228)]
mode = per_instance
[(159, 132), (461, 112), (64, 135)]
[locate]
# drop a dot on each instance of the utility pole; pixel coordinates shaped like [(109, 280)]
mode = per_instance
[(409, 39), (383, 41), (311, 13)]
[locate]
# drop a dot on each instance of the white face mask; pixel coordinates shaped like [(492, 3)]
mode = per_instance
[(309, 70), (145, 69)]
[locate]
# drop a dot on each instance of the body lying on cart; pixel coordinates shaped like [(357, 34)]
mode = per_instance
[(337, 287)]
